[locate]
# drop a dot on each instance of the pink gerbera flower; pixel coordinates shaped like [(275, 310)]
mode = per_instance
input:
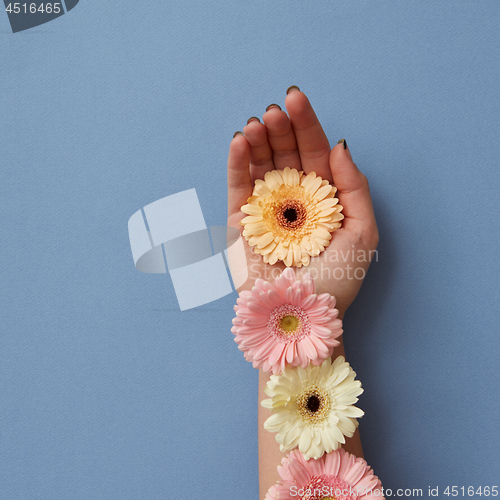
[(286, 322), (337, 475)]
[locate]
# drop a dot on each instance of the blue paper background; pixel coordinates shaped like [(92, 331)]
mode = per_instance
[(107, 390)]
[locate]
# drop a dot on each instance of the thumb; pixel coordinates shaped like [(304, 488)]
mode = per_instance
[(353, 189)]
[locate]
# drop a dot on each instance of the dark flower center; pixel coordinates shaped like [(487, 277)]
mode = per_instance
[(313, 403), (290, 214)]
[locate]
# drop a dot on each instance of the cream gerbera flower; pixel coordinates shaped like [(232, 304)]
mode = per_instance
[(313, 407), (291, 216)]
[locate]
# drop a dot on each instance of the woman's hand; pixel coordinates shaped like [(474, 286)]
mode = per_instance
[(298, 141)]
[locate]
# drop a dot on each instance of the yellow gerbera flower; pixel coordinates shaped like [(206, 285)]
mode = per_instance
[(291, 216)]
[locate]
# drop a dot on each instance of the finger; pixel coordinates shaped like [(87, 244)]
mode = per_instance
[(261, 154), (238, 174), (313, 145), (352, 186), (281, 139)]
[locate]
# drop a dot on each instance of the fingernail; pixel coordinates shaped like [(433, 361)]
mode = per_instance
[(252, 118), (292, 87), (272, 106), (344, 142), (236, 133)]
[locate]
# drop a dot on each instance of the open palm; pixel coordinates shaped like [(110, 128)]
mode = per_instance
[(298, 141)]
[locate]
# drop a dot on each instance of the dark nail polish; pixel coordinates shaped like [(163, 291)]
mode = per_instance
[(236, 133), (292, 87), (342, 141), (345, 144), (272, 106), (252, 118)]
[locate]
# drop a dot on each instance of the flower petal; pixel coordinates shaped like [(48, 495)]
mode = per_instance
[(276, 353), (308, 348)]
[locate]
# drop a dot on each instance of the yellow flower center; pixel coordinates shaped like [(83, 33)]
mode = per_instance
[(314, 404), (289, 323)]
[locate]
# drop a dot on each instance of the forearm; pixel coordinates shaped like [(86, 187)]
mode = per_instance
[(269, 451)]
